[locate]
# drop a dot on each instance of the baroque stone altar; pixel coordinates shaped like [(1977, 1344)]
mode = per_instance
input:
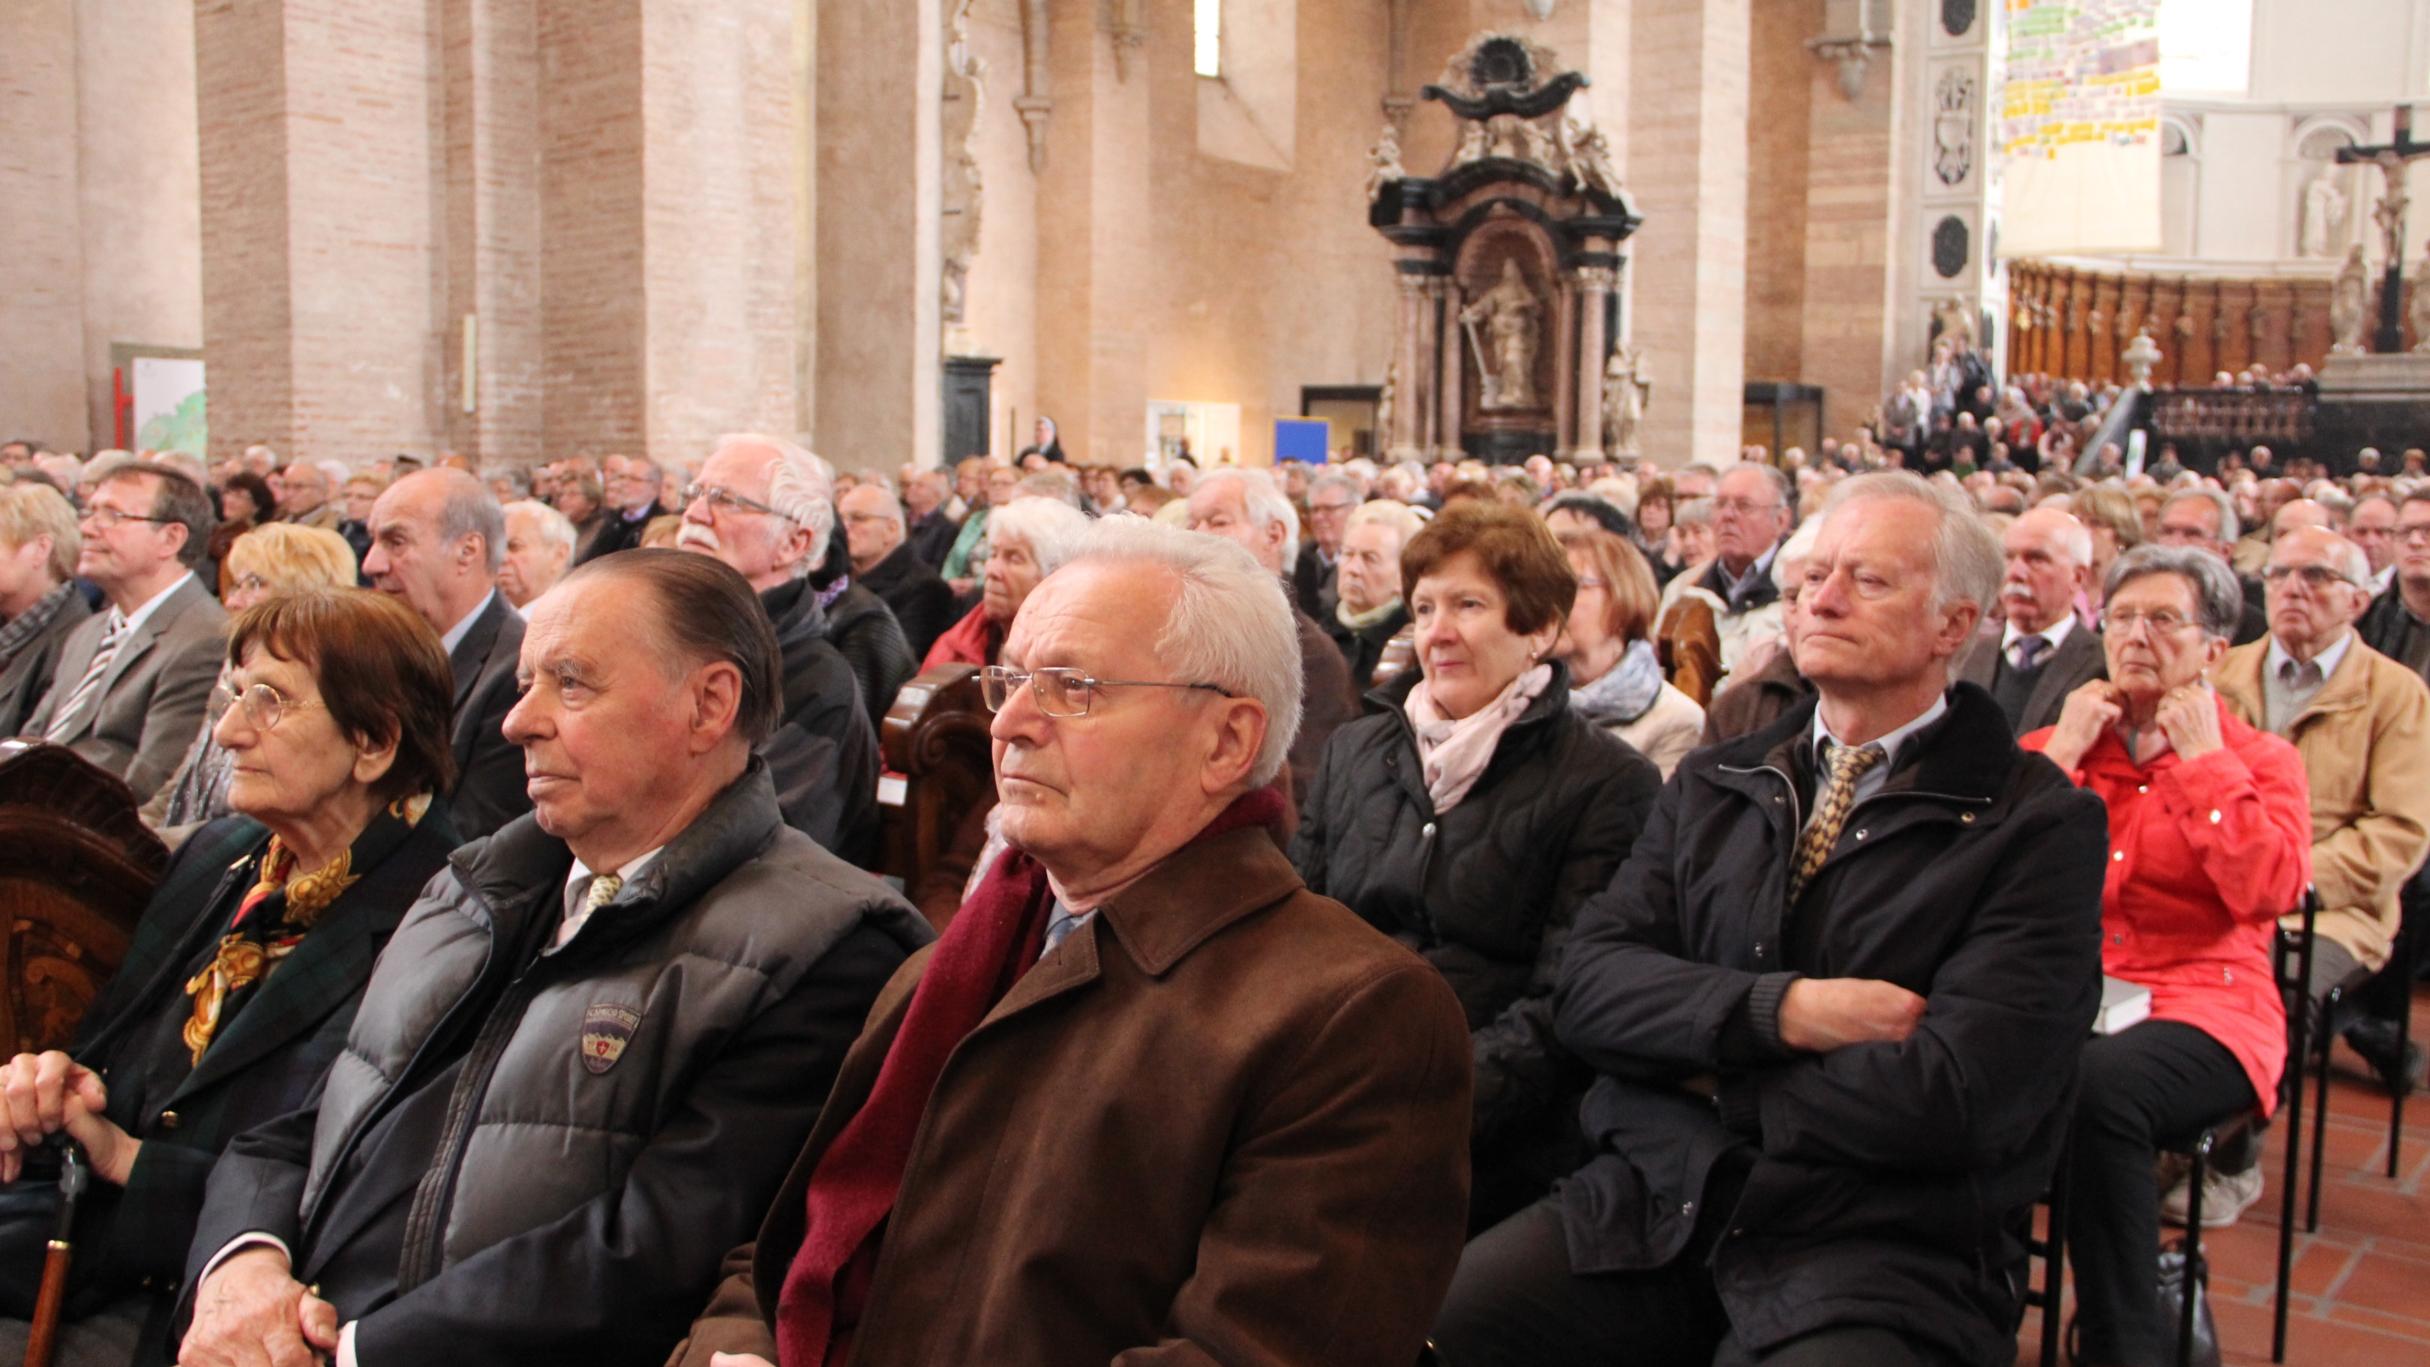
[(1507, 260)]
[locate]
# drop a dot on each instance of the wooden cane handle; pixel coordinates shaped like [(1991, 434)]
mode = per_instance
[(42, 1336)]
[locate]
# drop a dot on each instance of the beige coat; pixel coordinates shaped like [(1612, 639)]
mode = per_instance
[(1226, 1121), (2365, 742)]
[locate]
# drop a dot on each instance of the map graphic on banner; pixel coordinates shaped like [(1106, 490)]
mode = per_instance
[(2079, 130)]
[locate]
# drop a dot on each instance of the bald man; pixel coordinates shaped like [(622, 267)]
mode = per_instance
[(2042, 653)]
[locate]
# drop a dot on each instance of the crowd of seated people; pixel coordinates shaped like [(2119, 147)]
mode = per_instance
[(1417, 901)]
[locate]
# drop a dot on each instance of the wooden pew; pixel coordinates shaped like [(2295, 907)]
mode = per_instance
[(939, 771), (76, 868)]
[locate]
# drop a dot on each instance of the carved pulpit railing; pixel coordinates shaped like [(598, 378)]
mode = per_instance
[(76, 868), (2236, 417)]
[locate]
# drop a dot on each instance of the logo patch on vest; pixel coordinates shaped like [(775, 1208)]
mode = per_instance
[(606, 1030)]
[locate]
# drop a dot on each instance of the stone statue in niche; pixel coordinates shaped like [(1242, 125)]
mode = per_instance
[(2419, 313), (1475, 144), (1628, 390), (2350, 304), (1384, 161), (964, 190), (2324, 212), (1387, 405), (1953, 321), (1506, 353)]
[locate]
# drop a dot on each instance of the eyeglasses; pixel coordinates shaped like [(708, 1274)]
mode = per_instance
[(1743, 506), (728, 499), (266, 707), (1315, 508), (1063, 692), (2419, 531), (2313, 576), (2161, 623), (107, 518)]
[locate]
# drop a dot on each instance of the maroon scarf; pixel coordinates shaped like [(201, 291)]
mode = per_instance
[(995, 939)]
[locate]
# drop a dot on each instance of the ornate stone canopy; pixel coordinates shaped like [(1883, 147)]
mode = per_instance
[(1506, 260)]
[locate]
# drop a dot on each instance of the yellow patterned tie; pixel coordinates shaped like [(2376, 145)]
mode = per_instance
[(603, 890), (1843, 765)]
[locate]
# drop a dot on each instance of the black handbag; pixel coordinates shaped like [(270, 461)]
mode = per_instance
[(2175, 1288)]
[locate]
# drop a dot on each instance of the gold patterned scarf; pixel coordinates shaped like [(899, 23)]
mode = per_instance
[(279, 910)]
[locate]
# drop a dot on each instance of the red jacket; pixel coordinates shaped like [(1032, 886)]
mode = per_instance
[(2204, 856), (972, 641)]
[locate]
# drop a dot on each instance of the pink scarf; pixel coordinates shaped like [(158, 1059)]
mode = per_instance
[(1453, 754)]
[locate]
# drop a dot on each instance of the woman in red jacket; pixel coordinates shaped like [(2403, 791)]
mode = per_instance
[(2210, 833)]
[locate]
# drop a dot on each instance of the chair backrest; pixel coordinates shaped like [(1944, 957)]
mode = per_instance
[(76, 868), (938, 767)]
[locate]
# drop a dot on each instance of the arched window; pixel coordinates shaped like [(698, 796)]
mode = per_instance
[(1206, 49), (2206, 46)]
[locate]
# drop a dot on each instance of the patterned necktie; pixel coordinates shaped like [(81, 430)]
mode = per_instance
[(603, 891), (69, 719), (2029, 651), (1843, 767)]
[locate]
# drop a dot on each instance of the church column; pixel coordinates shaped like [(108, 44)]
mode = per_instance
[(317, 225), (42, 381), (491, 324), (1453, 377), (880, 187), (1409, 394), (1687, 119), (1564, 316), (1594, 285)]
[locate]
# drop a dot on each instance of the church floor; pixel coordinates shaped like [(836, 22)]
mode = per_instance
[(2361, 1286)]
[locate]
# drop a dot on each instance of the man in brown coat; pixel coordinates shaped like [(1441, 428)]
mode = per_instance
[(1149, 1100)]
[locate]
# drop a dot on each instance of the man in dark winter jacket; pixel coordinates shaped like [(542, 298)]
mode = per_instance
[(763, 506), (1834, 1000), (590, 1049)]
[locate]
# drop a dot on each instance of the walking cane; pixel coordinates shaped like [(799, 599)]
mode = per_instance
[(43, 1336)]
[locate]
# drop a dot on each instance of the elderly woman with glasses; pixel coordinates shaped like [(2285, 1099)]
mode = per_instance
[(246, 968), (2210, 834), (272, 561), (1472, 811)]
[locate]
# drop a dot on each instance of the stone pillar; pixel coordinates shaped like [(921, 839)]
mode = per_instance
[(1409, 397), (1454, 375), (42, 375), (1594, 286), (1845, 340), (490, 54), (880, 342), (1565, 362), (317, 225), (1687, 116)]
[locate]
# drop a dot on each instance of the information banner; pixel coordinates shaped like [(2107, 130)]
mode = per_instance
[(2079, 129)]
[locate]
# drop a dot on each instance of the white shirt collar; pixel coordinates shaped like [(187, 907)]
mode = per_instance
[(579, 876), (2055, 633), (151, 605), (455, 634), (1889, 741), (2328, 660)]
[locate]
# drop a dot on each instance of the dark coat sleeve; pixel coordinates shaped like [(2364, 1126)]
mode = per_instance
[(617, 1279), (1973, 1081), (256, 1188), (491, 791), (1517, 1054)]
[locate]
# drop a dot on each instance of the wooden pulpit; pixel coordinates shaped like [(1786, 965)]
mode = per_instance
[(76, 868)]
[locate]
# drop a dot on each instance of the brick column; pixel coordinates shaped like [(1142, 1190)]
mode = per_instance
[(1687, 117), (42, 382), (490, 53), (317, 228)]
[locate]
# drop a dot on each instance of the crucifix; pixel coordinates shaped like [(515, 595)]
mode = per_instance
[(2392, 159)]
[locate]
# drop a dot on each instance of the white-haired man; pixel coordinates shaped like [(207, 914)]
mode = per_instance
[(1226, 1107), (436, 539), (2205, 519), (1367, 610), (1864, 940), (305, 497), (762, 506), (1245, 506), (634, 486), (539, 550), (2041, 653), (1331, 498)]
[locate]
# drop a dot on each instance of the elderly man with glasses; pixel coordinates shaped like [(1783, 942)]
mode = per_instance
[(1751, 517), (2361, 721), (761, 505), (1149, 1099), (131, 684)]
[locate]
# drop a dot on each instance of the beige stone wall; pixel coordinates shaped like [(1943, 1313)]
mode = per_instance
[(491, 241), (1003, 300), (42, 341), (1687, 142)]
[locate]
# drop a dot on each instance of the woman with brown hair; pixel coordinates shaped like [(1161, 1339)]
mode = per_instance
[(1472, 811), (1615, 669), (246, 967)]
